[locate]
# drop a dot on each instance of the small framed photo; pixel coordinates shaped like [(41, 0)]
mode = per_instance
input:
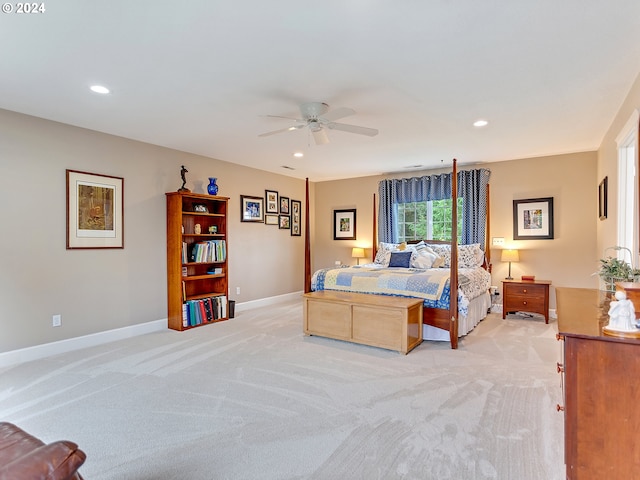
[(95, 210), (296, 218), (602, 198), (200, 208), (533, 219), (344, 224), (251, 209), (271, 201), (285, 222), (284, 205), (271, 219)]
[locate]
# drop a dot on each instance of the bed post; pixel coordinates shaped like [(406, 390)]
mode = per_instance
[(453, 278), (307, 242), (487, 234), (374, 237)]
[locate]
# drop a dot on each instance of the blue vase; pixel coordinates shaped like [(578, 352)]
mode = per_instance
[(212, 188)]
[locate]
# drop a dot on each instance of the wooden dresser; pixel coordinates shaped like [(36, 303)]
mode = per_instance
[(601, 390)]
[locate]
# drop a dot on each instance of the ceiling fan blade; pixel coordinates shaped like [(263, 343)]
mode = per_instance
[(337, 114), (371, 132), (293, 127), (320, 136), (286, 118)]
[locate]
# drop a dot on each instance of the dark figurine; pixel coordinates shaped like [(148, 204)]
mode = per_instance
[(184, 180)]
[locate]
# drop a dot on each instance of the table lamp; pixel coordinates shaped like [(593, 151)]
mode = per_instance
[(357, 253), (510, 256)]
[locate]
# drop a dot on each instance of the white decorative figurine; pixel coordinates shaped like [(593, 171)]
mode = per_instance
[(622, 314)]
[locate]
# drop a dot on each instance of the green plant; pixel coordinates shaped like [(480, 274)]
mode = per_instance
[(614, 270)]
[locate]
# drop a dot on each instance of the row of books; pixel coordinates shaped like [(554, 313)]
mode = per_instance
[(196, 312), (209, 251)]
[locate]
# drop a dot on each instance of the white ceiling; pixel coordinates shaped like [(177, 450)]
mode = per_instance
[(201, 75)]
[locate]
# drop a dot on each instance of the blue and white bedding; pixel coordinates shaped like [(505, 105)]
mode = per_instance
[(431, 284)]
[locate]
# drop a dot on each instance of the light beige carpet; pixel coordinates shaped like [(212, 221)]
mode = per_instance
[(252, 398)]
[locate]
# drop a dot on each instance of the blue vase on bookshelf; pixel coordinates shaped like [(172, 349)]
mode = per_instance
[(212, 188)]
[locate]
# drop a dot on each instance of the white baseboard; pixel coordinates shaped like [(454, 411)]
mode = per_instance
[(40, 351), (265, 302), (54, 348)]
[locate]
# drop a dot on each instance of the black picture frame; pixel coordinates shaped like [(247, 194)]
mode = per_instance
[(284, 205), (344, 224), (533, 219), (296, 218), (603, 193), (271, 204), (284, 222), (251, 209)]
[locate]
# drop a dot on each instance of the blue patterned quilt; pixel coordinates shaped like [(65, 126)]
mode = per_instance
[(432, 285)]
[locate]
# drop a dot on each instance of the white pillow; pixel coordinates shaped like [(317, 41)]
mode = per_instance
[(383, 255), (423, 259)]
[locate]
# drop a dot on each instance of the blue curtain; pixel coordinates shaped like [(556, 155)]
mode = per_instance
[(472, 187)]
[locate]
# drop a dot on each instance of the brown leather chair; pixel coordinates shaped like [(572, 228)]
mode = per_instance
[(24, 457)]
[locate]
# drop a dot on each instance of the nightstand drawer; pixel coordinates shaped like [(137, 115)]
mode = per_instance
[(525, 290), (525, 303)]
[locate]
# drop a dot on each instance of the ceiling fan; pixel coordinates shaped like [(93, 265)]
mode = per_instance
[(317, 117)]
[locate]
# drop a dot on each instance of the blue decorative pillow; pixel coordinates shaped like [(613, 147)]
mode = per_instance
[(400, 259)]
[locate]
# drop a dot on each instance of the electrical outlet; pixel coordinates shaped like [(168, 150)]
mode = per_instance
[(56, 320), (237, 290), (498, 241)]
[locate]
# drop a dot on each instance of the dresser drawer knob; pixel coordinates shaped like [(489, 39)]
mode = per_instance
[(524, 303), (559, 408), (560, 367), (524, 290)]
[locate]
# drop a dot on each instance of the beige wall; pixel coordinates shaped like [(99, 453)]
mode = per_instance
[(99, 290), (568, 260), (608, 167)]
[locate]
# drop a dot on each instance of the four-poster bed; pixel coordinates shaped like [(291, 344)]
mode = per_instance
[(444, 319)]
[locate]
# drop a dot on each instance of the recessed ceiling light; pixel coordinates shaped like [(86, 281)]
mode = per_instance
[(480, 123), (99, 89), (298, 154)]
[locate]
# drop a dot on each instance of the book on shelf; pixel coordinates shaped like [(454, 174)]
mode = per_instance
[(207, 252), (202, 310)]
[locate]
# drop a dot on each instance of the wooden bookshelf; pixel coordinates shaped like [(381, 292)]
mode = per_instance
[(184, 212)]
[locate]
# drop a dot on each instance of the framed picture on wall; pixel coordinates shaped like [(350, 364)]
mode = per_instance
[(285, 221), (271, 201), (284, 205), (344, 224), (95, 210), (251, 209), (271, 219), (602, 198), (533, 219), (296, 218)]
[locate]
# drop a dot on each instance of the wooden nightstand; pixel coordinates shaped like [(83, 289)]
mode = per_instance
[(526, 296)]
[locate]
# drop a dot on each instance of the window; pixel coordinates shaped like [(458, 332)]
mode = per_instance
[(627, 192), (427, 220)]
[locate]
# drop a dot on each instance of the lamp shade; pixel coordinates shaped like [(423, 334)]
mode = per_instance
[(510, 256), (357, 252)]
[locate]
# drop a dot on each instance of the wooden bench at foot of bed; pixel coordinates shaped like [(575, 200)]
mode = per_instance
[(394, 323)]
